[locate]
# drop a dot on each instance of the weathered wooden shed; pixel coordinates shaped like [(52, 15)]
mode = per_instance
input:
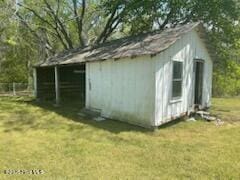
[(146, 80)]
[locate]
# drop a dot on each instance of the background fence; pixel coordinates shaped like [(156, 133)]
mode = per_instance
[(15, 89)]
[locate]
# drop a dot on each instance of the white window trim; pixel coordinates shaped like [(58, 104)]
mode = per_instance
[(176, 99)]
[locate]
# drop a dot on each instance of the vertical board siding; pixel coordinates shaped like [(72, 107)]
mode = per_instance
[(189, 47), (139, 90), (123, 89)]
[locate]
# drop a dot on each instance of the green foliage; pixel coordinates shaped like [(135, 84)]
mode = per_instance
[(227, 82), (35, 30)]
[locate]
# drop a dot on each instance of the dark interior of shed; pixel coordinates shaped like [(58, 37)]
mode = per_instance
[(45, 83), (71, 83)]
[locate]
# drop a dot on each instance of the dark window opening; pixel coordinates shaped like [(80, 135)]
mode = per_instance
[(177, 79)]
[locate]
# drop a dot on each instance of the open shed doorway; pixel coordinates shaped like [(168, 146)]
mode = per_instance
[(71, 84), (45, 83), (72, 81), (199, 69)]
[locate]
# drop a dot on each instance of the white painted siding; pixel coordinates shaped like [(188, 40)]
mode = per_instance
[(139, 90), (123, 89), (189, 47)]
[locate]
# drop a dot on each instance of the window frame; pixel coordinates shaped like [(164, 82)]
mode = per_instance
[(177, 98)]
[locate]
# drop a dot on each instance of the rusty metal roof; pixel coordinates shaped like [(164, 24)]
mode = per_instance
[(145, 44)]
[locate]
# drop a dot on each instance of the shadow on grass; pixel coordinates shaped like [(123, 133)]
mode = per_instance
[(171, 123), (70, 111), (27, 120)]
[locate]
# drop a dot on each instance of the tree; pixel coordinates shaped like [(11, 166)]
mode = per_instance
[(47, 27)]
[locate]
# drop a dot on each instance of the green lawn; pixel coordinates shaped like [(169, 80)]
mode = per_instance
[(65, 146)]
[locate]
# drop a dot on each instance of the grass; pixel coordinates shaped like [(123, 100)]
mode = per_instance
[(227, 109), (58, 141)]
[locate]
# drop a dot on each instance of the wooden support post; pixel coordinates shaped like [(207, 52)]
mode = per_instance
[(57, 89), (35, 82)]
